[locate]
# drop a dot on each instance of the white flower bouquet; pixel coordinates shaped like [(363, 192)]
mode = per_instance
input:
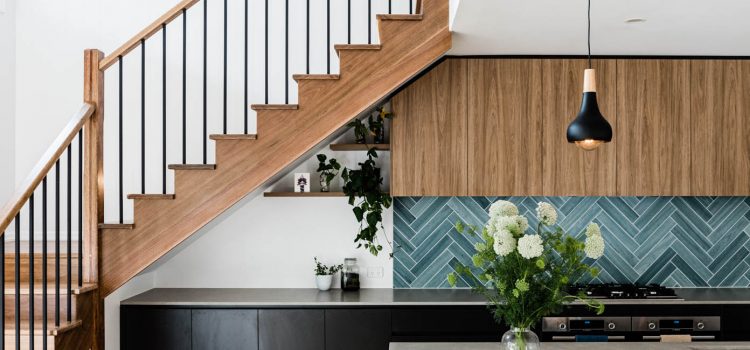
[(524, 275)]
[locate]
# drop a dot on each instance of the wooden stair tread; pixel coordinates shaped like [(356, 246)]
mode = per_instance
[(316, 77), (233, 137), (258, 107), (65, 326), (192, 166), (117, 226), (38, 290), (151, 196), (357, 47), (400, 17)]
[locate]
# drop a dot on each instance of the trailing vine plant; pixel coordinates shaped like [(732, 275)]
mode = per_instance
[(364, 184)]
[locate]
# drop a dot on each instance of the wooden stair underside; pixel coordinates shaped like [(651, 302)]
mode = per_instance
[(325, 105)]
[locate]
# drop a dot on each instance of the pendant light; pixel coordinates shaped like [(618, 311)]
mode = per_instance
[(590, 129)]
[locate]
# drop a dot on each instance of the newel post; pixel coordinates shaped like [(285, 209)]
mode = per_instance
[(93, 187)]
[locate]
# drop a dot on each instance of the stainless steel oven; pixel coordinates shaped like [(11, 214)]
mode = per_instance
[(631, 329)]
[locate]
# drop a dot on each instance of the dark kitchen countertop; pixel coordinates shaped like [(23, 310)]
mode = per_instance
[(258, 297)]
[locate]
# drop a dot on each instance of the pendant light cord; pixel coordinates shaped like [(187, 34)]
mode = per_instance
[(589, 32)]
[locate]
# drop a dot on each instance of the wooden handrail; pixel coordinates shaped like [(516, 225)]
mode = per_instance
[(152, 29), (44, 165)]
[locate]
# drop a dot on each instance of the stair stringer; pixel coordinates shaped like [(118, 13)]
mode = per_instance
[(367, 76)]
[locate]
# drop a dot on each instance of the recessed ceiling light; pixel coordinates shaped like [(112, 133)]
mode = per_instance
[(635, 20)]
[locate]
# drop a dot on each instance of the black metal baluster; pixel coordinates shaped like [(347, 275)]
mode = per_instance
[(143, 116), (57, 243), (225, 66), (184, 86), (18, 281), (411, 7), (164, 109), (349, 21), (31, 269), (80, 208), (119, 141), (69, 227), (390, 3), (307, 41), (205, 81), (286, 52), (328, 36), (246, 105), (266, 54), (44, 262), (369, 21)]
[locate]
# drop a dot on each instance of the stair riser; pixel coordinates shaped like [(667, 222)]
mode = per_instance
[(389, 31), (10, 308), (10, 269), (308, 90)]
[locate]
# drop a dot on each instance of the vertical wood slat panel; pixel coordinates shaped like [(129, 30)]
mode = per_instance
[(568, 170), (653, 125), (505, 127), (720, 132), (429, 143)]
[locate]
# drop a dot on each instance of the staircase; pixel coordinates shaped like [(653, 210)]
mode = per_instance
[(112, 254)]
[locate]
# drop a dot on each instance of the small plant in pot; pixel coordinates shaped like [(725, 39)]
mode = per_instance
[(377, 124), (324, 274), (360, 131), (328, 171)]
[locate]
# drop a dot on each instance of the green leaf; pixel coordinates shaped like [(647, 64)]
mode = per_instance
[(452, 279), (322, 157), (358, 213)]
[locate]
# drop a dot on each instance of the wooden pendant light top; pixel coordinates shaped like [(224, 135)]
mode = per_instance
[(589, 80)]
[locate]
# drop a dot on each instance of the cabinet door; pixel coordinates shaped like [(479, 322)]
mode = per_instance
[(445, 324), (359, 329), (157, 329), (569, 170), (217, 329), (720, 127), (505, 127), (653, 127), (428, 138), (291, 329)]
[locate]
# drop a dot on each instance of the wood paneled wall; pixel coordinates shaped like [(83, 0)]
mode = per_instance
[(429, 131), (681, 128)]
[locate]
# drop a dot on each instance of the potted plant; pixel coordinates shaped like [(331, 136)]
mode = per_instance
[(524, 276), (324, 274), (328, 171), (365, 183), (377, 124), (360, 131)]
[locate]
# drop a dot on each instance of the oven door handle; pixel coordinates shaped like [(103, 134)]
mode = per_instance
[(573, 338), (692, 337)]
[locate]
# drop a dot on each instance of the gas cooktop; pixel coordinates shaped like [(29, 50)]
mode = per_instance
[(624, 291)]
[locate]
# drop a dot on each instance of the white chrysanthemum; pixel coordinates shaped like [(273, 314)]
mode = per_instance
[(523, 223), (530, 246), (594, 246), (504, 243), (516, 224), (546, 213), (503, 208), (593, 230)]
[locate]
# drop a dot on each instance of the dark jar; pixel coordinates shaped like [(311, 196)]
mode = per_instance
[(350, 275)]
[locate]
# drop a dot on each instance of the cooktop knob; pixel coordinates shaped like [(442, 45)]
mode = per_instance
[(563, 326), (700, 325), (651, 325), (611, 326)]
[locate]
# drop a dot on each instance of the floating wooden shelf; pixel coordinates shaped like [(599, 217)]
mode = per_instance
[(360, 147), (303, 194)]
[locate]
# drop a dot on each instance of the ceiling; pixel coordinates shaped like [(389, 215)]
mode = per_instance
[(558, 27)]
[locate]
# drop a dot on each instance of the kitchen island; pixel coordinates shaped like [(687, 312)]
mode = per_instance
[(580, 346)]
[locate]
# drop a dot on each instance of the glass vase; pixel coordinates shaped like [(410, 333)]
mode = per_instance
[(520, 339)]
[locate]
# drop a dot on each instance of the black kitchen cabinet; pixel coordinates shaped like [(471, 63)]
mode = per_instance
[(157, 329), (219, 329), (362, 329), (735, 323), (445, 324), (291, 329)]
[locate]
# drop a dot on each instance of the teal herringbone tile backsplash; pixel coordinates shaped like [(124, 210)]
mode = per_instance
[(675, 241)]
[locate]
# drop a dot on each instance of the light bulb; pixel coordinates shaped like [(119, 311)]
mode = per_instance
[(589, 144)]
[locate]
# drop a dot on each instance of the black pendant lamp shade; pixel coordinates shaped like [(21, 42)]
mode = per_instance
[(590, 129)]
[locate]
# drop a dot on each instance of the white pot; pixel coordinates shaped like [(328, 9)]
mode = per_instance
[(324, 281)]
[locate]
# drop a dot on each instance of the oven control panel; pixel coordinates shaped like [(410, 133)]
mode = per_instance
[(677, 324), (585, 324)]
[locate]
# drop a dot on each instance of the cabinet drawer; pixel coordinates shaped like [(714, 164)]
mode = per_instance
[(445, 324)]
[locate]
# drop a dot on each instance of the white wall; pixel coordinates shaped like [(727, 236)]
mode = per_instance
[(7, 98)]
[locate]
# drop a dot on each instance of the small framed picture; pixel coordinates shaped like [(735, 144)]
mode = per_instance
[(302, 182)]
